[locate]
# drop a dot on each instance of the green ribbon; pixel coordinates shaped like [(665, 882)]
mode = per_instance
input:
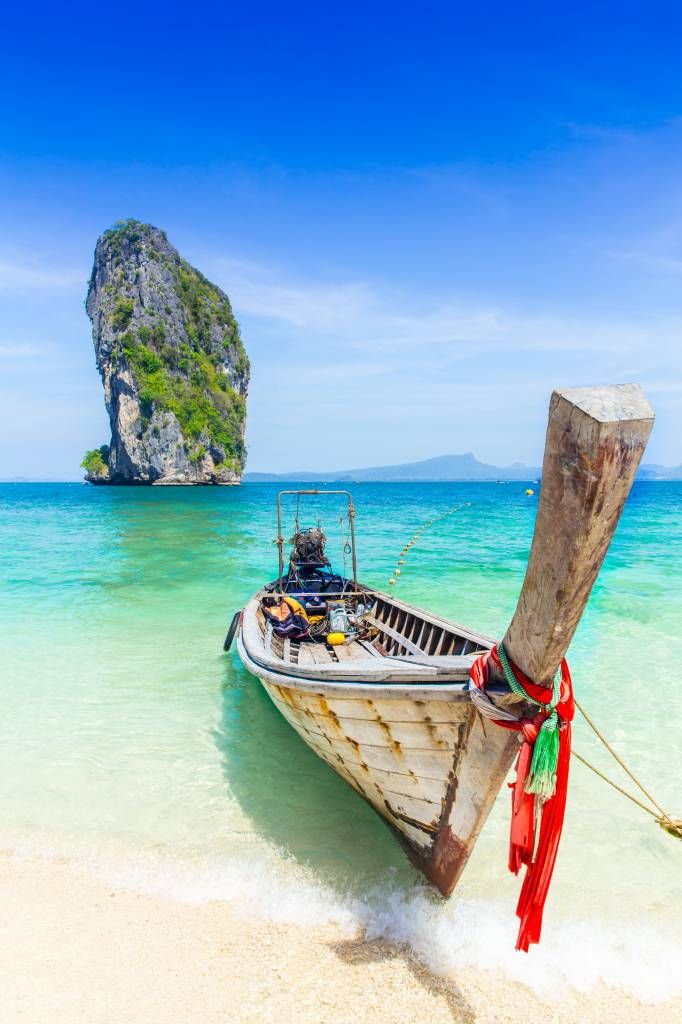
[(543, 767)]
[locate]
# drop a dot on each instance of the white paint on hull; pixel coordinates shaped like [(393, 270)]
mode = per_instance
[(419, 754)]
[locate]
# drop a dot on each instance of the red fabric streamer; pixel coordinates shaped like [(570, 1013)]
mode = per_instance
[(522, 833)]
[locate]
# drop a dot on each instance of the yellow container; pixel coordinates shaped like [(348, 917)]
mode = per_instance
[(335, 638)]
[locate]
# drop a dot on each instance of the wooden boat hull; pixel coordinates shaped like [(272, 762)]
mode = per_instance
[(393, 716), (417, 751)]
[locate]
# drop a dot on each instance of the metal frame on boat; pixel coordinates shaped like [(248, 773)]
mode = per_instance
[(351, 522), (389, 709)]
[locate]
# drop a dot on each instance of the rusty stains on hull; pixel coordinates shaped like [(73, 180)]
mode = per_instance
[(386, 730), (431, 827), (447, 861), (443, 854), (392, 742), (449, 854), (327, 712), (443, 864)]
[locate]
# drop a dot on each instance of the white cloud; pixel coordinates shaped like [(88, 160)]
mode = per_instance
[(606, 133), (659, 252), (23, 276), (12, 350), (365, 318), (366, 356), (19, 354), (650, 259), (257, 291)]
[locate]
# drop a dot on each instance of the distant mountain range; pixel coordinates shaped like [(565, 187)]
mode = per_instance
[(656, 472), (443, 468)]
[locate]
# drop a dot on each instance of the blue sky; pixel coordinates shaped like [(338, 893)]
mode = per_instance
[(426, 217)]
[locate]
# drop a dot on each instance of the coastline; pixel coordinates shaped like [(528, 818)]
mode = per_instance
[(76, 949)]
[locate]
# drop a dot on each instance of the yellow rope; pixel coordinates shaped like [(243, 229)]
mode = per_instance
[(671, 825), (620, 761), (415, 537)]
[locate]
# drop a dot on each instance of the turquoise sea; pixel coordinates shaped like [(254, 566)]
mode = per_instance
[(131, 743)]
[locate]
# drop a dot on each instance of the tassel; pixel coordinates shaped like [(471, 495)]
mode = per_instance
[(543, 767)]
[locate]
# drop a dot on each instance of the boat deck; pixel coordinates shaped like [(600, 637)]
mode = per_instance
[(403, 641)]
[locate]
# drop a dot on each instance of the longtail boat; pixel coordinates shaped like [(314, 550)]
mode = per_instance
[(390, 707)]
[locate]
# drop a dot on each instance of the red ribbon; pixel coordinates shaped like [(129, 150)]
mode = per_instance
[(522, 833)]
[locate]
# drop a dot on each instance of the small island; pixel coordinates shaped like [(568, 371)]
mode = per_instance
[(173, 366)]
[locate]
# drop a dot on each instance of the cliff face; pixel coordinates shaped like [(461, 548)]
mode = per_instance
[(173, 366)]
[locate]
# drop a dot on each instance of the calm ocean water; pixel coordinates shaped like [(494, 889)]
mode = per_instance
[(129, 741)]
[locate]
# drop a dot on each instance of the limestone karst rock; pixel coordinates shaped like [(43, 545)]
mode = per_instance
[(172, 363)]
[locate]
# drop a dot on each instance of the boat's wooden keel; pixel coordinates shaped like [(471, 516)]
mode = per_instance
[(481, 767)]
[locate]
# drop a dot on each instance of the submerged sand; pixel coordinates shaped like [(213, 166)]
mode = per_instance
[(76, 951)]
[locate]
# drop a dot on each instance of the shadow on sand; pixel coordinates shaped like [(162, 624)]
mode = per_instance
[(359, 952), (298, 804)]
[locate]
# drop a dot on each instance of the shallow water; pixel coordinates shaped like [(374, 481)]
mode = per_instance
[(129, 740)]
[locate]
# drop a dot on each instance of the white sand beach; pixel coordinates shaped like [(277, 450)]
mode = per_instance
[(76, 951)]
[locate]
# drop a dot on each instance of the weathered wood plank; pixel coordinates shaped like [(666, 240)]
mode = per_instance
[(431, 764), (370, 734), (595, 440), (439, 662), (319, 654), (394, 635), (346, 652), (405, 709), (409, 785), (305, 657), (369, 648), (418, 734)]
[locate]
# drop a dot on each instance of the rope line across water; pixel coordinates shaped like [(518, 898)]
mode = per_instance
[(394, 579), (671, 825)]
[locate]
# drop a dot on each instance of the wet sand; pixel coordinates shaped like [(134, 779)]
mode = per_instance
[(76, 951)]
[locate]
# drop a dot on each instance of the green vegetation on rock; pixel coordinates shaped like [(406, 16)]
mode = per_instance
[(122, 314), (96, 461), (190, 384), (130, 231), (159, 322)]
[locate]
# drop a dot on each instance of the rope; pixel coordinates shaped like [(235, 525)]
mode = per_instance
[(583, 760), (543, 770), (394, 579), (671, 825), (486, 707), (620, 761), (344, 524)]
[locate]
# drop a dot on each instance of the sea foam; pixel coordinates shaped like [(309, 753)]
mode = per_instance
[(448, 937)]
